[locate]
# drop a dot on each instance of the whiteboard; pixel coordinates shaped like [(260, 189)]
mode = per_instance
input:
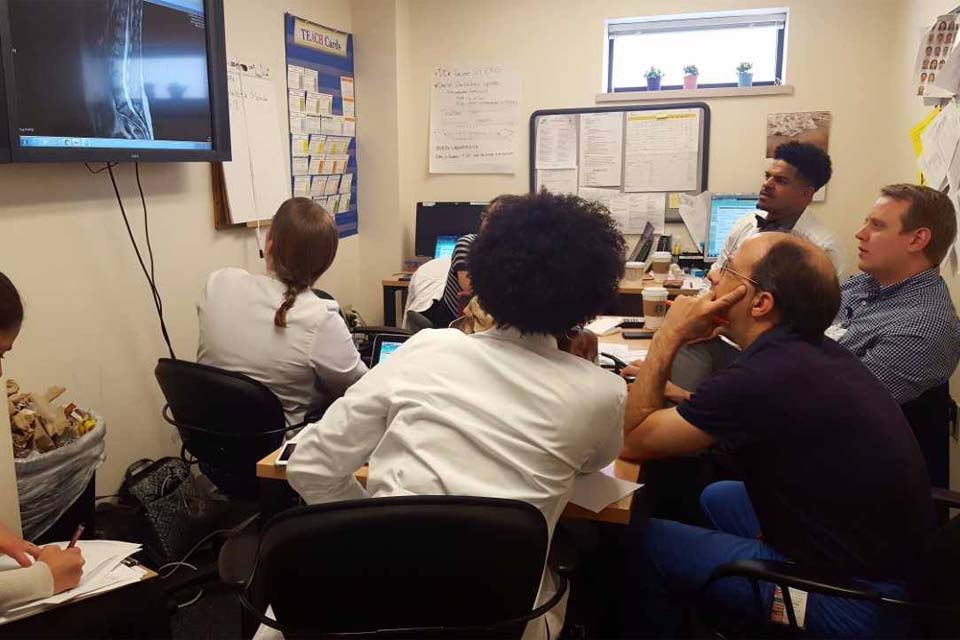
[(256, 180), (627, 158)]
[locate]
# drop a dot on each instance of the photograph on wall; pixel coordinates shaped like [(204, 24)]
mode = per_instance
[(811, 127), (933, 55)]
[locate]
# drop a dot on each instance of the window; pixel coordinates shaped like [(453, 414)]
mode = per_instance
[(715, 42)]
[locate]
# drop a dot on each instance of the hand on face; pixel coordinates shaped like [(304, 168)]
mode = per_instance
[(693, 319)]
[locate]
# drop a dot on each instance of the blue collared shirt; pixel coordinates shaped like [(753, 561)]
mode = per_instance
[(907, 334)]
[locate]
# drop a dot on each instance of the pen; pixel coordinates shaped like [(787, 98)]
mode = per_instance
[(76, 536)]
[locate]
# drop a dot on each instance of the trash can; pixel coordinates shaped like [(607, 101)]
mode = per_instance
[(49, 483)]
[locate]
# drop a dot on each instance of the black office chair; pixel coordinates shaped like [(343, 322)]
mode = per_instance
[(930, 416), (411, 566), (934, 610), (227, 421)]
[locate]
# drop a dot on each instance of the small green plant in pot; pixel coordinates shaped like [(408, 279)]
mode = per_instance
[(745, 74), (690, 75), (653, 75)]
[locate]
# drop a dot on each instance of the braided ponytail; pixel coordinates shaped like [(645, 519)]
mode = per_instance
[(303, 241), (289, 297)]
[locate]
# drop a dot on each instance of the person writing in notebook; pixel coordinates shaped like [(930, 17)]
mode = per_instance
[(502, 413), (43, 572)]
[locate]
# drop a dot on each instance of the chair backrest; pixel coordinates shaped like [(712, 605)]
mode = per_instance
[(929, 415), (426, 285), (225, 419), (401, 562)]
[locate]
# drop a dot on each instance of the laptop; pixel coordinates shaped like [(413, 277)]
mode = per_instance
[(725, 210), (445, 246), (384, 345)]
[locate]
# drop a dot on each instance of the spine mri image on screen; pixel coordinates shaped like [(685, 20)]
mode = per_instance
[(127, 113), (111, 73)]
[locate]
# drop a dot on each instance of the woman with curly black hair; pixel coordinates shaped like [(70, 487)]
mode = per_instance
[(502, 413)]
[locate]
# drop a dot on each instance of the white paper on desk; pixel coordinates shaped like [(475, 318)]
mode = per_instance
[(694, 211), (598, 490), (557, 142), (559, 181), (601, 149), (604, 325), (661, 150), (623, 352), (101, 559)]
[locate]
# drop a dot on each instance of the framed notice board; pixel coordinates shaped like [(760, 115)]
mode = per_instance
[(634, 159)]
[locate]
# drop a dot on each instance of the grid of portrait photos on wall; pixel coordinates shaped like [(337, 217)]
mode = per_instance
[(936, 48)]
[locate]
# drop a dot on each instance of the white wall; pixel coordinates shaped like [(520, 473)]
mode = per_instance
[(557, 47), (90, 323)]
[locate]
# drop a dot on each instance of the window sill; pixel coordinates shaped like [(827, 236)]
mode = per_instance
[(682, 94)]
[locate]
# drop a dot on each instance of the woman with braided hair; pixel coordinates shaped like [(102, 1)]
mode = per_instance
[(273, 327)]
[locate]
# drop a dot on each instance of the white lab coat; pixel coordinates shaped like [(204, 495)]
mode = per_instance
[(807, 227), (495, 414), (237, 333)]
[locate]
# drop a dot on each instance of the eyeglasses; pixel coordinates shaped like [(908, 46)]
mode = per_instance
[(726, 269)]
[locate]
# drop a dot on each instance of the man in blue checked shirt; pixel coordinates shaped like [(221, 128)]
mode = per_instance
[(897, 316)]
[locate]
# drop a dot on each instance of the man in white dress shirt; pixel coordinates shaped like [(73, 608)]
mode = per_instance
[(797, 171), (504, 413)]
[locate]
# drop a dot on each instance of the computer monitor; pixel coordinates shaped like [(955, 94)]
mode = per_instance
[(445, 246), (725, 209), (436, 219)]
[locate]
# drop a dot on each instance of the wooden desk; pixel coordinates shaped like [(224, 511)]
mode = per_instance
[(392, 286), (390, 289), (617, 513)]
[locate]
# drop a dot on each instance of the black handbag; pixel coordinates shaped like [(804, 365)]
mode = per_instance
[(176, 514)]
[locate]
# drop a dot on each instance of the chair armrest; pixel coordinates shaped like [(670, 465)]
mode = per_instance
[(564, 557), (945, 497), (788, 574)]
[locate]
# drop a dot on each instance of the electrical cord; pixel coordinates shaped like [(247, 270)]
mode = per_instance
[(183, 561), (153, 287), (146, 233)]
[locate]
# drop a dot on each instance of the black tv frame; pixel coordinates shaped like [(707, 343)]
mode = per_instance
[(459, 219), (219, 107)]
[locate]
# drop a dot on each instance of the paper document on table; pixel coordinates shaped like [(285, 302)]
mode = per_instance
[(694, 211), (559, 181), (102, 569), (623, 352), (604, 325), (601, 149), (661, 150), (598, 490), (557, 142)]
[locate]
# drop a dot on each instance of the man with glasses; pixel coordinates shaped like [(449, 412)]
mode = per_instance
[(833, 477)]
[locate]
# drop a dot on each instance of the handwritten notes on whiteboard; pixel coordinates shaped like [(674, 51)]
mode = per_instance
[(661, 150), (474, 120)]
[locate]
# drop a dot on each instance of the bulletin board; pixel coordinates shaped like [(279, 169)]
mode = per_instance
[(633, 159), (322, 111)]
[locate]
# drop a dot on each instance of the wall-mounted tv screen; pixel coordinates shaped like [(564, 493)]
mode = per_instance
[(115, 80)]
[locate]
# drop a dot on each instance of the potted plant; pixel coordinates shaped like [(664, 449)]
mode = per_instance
[(690, 73), (653, 75), (745, 77)]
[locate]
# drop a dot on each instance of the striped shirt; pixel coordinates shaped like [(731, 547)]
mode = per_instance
[(907, 334), (458, 262)]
